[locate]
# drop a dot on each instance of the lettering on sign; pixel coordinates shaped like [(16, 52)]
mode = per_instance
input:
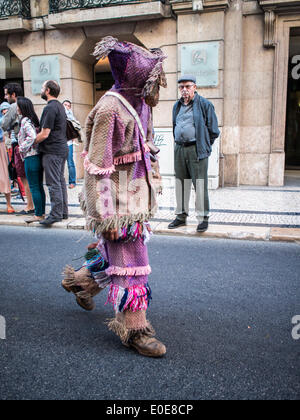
[(199, 56), (2, 328), (296, 68), (296, 329), (45, 68)]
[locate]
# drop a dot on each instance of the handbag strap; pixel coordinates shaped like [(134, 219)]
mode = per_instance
[(131, 110)]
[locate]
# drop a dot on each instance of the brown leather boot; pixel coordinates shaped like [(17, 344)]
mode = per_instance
[(85, 303), (147, 346), (135, 331), (82, 285)]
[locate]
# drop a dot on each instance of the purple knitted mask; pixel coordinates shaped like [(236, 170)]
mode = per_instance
[(133, 67)]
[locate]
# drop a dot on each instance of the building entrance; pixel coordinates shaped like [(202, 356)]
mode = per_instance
[(292, 135), (10, 71), (103, 78)]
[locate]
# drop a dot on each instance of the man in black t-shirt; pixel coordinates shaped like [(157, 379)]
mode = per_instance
[(54, 150)]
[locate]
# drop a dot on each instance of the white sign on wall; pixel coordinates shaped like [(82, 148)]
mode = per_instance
[(165, 141)]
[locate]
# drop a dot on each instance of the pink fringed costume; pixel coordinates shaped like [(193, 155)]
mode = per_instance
[(118, 190)]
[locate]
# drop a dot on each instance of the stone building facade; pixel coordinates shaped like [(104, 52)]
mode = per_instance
[(245, 53)]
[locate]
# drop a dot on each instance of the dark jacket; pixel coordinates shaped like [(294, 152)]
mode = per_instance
[(206, 124)]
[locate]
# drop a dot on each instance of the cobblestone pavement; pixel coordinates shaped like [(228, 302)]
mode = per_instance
[(243, 209)]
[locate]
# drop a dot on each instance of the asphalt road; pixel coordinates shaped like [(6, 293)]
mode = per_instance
[(224, 310)]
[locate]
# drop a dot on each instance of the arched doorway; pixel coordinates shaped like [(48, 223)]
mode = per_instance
[(103, 78), (11, 70)]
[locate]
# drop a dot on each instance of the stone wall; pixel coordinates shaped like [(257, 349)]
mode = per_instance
[(247, 99)]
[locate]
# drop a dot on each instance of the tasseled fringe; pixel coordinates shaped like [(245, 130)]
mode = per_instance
[(129, 158), (156, 75), (115, 222), (119, 329), (104, 47), (118, 160), (124, 333), (135, 298), (128, 271), (97, 262), (136, 231), (69, 276), (83, 279), (93, 169), (102, 279)]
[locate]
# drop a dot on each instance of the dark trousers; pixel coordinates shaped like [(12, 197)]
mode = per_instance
[(54, 168), (34, 175), (189, 170)]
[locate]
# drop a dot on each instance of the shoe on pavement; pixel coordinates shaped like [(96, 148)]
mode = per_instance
[(49, 221), (202, 227), (33, 219), (147, 346), (176, 223), (25, 212)]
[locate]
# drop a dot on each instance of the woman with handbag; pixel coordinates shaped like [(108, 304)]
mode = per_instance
[(5, 186), (29, 126)]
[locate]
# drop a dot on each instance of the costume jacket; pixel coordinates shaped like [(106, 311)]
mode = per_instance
[(119, 189)]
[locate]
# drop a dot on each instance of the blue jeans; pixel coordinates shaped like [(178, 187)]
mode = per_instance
[(34, 175), (71, 166)]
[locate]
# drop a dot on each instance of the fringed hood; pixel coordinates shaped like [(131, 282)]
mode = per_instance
[(134, 68)]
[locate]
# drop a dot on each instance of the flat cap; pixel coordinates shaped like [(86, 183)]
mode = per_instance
[(187, 78)]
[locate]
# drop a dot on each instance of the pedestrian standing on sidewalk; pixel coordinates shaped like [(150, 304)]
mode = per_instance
[(54, 151), (11, 124), (29, 125), (71, 165), (195, 128), (5, 187)]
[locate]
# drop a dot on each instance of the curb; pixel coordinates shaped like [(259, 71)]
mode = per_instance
[(258, 233)]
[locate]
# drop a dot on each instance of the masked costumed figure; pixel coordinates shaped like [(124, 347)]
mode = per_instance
[(119, 194)]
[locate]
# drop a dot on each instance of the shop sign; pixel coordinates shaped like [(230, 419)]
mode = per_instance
[(43, 68), (202, 61)]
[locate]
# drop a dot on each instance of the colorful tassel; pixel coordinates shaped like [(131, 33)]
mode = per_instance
[(93, 169), (128, 271), (134, 298)]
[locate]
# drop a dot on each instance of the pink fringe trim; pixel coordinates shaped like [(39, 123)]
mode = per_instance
[(136, 300), (93, 169), (128, 271), (129, 158), (84, 154)]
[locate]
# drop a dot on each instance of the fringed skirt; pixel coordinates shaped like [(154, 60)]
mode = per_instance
[(129, 270)]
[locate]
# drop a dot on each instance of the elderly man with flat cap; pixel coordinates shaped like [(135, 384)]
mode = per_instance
[(195, 128)]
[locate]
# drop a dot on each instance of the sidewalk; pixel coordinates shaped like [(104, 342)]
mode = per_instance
[(254, 213)]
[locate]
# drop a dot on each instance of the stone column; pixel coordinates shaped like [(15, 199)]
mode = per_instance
[(230, 147), (257, 93)]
